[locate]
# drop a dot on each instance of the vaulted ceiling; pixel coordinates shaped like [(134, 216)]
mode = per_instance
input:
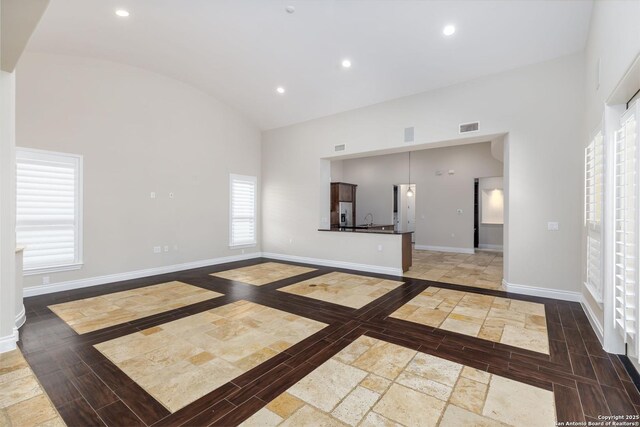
[(240, 51)]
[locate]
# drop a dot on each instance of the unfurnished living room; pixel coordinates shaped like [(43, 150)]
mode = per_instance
[(319, 213)]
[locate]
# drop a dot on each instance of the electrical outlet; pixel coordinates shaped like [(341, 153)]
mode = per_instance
[(553, 226), (153, 195), (379, 248), (45, 280), (157, 249), (166, 248)]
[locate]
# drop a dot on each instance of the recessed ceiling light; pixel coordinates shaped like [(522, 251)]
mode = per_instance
[(449, 30), (122, 13), (346, 63), (280, 90)]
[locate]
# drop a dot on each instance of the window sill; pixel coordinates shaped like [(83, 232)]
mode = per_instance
[(248, 245), (594, 294), (56, 269)]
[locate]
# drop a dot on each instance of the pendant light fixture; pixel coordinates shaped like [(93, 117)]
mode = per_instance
[(409, 190)]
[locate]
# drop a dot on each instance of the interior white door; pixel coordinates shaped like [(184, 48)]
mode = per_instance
[(406, 209), (411, 209)]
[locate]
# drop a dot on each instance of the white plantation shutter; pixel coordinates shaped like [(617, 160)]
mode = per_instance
[(626, 228), (594, 198), (243, 210), (48, 207)]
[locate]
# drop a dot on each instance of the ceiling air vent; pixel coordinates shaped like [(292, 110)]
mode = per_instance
[(469, 127), (409, 134), (340, 147)]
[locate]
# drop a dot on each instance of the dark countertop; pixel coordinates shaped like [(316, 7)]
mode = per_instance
[(363, 230)]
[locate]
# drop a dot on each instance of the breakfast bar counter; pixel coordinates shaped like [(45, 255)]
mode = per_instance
[(381, 229)]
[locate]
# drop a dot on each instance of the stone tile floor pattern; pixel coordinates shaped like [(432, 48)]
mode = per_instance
[(263, 274), (350, 290), (517, 323), (23, 402), (91, 314), (482, 269), (375, 383), (181, 361)]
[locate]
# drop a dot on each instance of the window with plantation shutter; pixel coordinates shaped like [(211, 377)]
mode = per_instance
[(242, 210), (626, 229), (48, 210), (594, 198)]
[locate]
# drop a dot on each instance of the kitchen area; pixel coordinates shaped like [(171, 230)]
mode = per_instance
[(430, 198), (344, 217)]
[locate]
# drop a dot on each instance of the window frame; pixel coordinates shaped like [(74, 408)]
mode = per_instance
[(78, 160), (254, 180)]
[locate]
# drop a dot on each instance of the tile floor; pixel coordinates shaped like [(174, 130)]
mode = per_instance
[(23, 402), (263, 274), (181, 361), (91, 314), (517, 323), (275, 352), (350, 290), (372, 382), (482, 269)]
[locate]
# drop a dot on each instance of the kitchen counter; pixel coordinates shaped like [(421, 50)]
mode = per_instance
[(370, 230), (406, 238)]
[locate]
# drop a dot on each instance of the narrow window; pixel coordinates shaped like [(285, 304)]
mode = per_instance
[(593, 209), (242, 210)]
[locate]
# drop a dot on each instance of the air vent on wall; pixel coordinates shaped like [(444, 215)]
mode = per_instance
[(340, 147), (469, 127), (408, 134)]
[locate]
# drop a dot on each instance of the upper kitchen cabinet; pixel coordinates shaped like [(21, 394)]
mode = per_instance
[(343, 204)]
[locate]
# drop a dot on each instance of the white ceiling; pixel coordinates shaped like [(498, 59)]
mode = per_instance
[(241, 50)]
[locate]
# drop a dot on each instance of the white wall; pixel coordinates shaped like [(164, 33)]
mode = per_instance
[(614, 42), (138, 132), (437, 196), (540, 106), (490, 236)]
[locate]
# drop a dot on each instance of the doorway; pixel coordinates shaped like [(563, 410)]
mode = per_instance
[(404, 208), (476, 214), (488, 213)]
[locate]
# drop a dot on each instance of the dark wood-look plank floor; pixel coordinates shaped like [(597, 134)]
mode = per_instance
[(88, 389)]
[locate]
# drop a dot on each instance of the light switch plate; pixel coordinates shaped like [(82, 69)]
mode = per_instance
[(553, 226)]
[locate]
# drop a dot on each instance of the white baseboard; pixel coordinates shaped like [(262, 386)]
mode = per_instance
[(21, 318), (338, 264), (542, 292), (8, 343), (490, 247), (593, 320), (118, 277), (444, 249)]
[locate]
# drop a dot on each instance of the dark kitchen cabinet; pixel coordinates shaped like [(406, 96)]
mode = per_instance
[(342, 192)]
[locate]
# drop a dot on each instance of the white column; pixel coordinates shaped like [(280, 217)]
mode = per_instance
[(8, 329)]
